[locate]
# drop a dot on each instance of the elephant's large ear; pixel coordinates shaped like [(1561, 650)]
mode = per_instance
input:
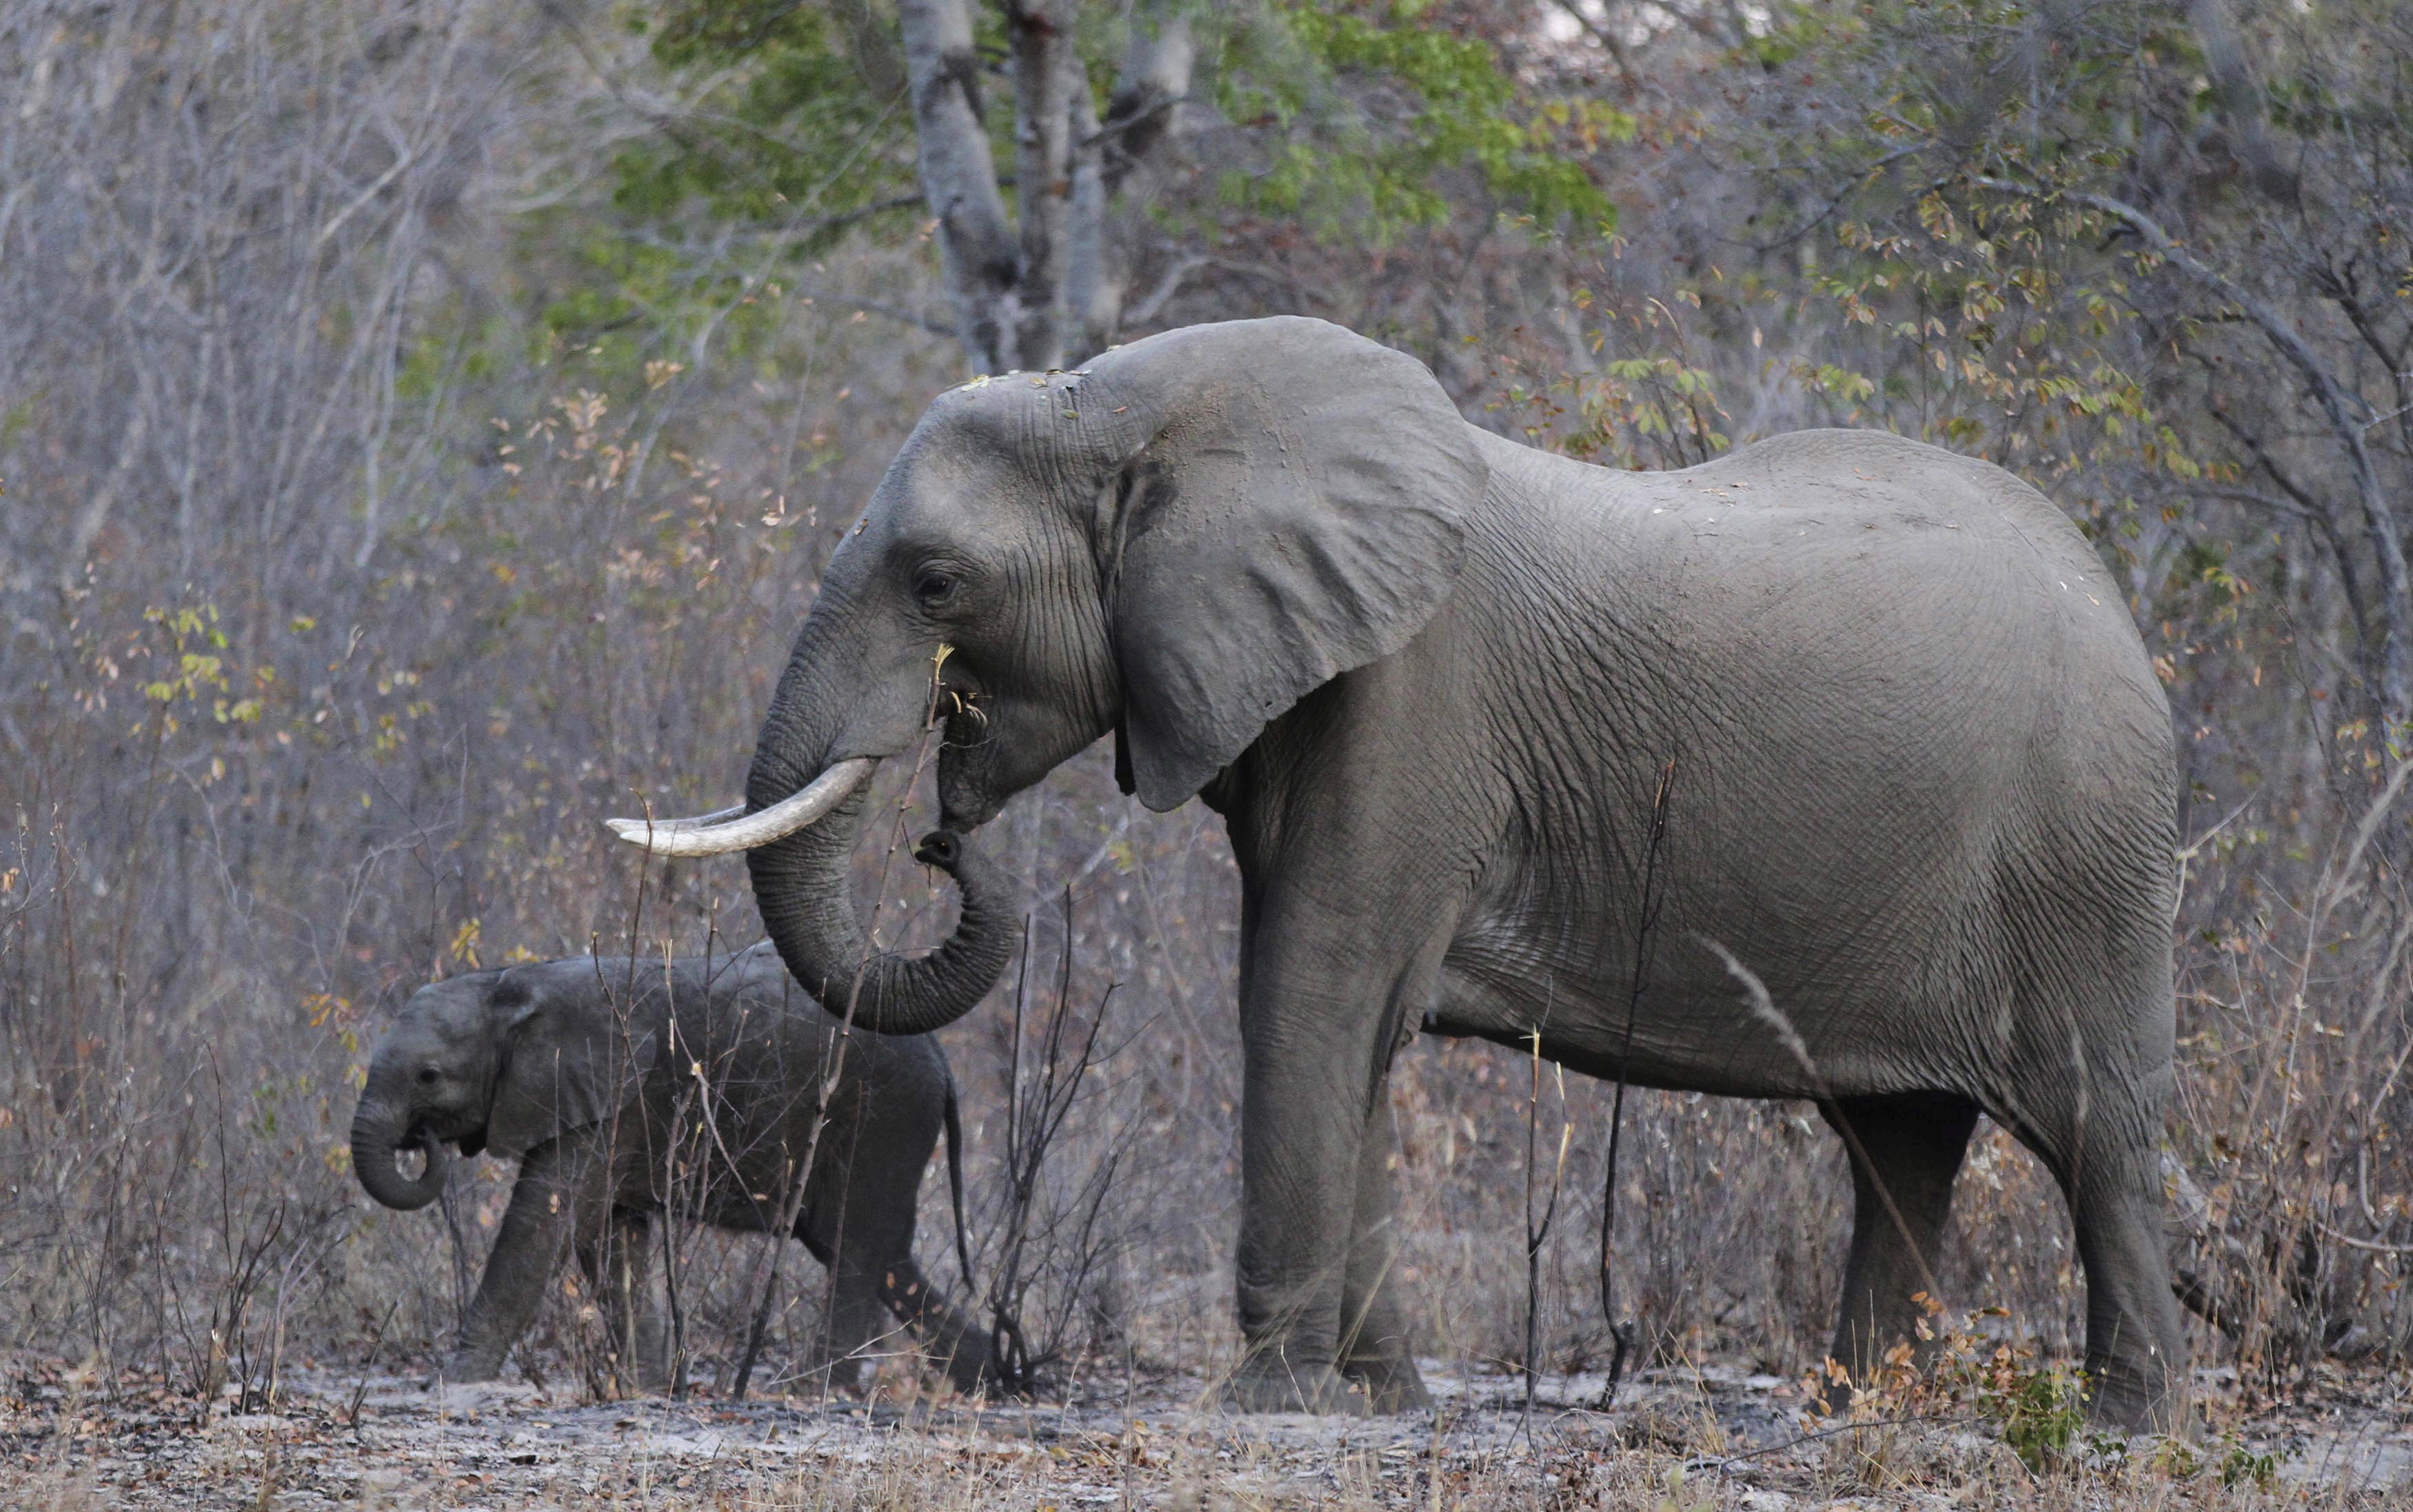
[(1289, 504), (573, 1054)]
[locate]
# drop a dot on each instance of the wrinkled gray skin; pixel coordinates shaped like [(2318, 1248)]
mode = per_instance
[(1922, 787), (579, 1068)]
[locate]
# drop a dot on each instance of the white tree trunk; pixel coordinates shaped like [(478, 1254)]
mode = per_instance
[(1044, 64), (1027, 294), (959, 178), (1154, 80), (1092, 299)]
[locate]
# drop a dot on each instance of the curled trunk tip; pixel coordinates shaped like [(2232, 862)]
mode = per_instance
[(803, 885), (377, 1140)]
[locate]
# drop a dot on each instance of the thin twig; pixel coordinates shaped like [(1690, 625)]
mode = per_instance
[(1621, 1330)]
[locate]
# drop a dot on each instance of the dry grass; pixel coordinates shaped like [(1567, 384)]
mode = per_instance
[(1685, 1440)]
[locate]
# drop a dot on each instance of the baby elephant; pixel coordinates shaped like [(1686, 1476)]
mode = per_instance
[(588, 1071)]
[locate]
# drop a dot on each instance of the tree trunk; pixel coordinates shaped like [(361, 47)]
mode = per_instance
[(1091, 302), (959, 177), (1038, 293), (1044, 84)]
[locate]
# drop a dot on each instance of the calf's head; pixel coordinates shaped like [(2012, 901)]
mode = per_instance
[(502, 1060)]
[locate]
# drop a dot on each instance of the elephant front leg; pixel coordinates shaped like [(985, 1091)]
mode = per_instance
[(1309, 1078), (535, 1233), (1343, 937), (1374, 1354)]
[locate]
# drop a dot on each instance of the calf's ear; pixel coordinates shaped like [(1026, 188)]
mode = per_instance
[(574, 1055)]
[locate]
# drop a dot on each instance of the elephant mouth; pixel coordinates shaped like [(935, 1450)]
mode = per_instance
[(427, 1135), (417, 1148), (967, 777), (430, 1133)]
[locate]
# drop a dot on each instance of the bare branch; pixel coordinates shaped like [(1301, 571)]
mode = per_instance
[(1176, 273), (2336, 403)]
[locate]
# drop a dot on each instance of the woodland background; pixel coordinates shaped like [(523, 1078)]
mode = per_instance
[(421, 422)]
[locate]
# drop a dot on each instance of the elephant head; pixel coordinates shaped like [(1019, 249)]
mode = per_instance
[(1174, 544), (502, 1060)]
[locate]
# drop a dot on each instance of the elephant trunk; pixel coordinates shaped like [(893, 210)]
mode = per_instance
[(804, 887), (379, 1135)]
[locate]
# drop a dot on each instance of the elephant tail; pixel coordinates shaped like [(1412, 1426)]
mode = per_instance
[(955, 1122)]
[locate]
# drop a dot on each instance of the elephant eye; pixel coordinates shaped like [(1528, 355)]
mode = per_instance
[(934, 586), (428, 1075)]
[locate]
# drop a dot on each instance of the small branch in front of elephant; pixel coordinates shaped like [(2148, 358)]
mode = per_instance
[(1538, 1233), (623, 1007), (698, 1170), (1037, 1106), (352, 1413), (673, 1190), (620, 1336), (696, 1095), (1646, 949), (447, 1204), (799, 1168), (1763, 1007), (792, 1203)]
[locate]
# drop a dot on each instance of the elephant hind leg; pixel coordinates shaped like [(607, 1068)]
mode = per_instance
[(618, 1261), (2136, 1353), (854, 1328), (2109, 1165), (2099, 1134), (950, 1338), (1905, 1151)]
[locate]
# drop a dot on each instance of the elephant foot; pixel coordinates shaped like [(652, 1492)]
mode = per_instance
[(972, 1373), (1269, 1384), (1391, 1383), (469, 1367), (2133, 1402), (832, 1372)]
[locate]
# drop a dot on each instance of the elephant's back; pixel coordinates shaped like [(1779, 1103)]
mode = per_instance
[(2010, 597), (756, 989), (1903, 714), (1880, 569)]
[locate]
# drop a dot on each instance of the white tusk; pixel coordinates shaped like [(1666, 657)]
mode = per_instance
[(722, 831), (718, 816)]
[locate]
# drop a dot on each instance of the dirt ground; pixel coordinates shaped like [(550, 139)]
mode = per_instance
[(1678, 1441)]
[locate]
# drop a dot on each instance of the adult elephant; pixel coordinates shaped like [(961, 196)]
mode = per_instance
[(1912, 861)]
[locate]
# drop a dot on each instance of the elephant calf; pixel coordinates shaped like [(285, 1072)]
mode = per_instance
[(602, 1075)]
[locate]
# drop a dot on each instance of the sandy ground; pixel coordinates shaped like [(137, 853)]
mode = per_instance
[(1677, 1440)]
